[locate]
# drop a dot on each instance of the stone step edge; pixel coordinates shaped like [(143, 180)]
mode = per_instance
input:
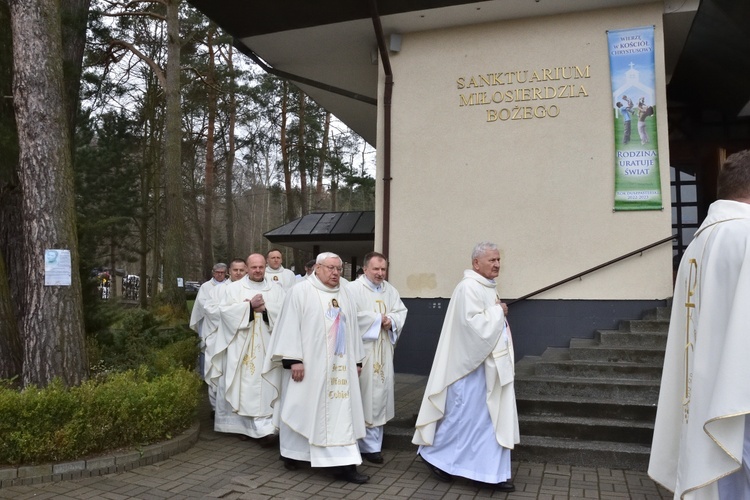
[(581, 344), (580, 400), (587, 362), (99, 465), (587, 421), (583, 445), (596, 381)]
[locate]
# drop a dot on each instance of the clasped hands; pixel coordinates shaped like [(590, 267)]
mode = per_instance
[(257, 303)]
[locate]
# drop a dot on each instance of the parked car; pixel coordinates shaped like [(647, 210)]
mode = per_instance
[(191, 289)]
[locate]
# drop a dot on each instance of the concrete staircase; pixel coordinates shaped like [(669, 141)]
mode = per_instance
[(594, 403)]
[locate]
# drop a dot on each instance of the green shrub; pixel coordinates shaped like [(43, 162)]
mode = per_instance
[(179, 354), (138, 341), (118, 410)]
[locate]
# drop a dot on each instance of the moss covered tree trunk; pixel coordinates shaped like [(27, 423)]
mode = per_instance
[(51, 323)]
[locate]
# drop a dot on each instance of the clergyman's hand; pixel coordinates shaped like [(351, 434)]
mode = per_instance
[(298, 372), (386, 323), (258, 304)]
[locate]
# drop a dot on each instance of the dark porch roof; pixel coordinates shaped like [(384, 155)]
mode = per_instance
[(348, 234)]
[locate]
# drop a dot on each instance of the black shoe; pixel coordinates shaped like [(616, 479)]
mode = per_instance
[(290, 463), (505, 486), (376, 458), (439, 474), (349, 473), (268, 441)]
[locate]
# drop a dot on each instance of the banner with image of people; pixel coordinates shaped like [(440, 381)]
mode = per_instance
[(631, 65)]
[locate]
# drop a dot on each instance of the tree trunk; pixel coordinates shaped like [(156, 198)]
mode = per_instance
[(319, 192), (11, 354), (74, 17), (208, 214), (229, 171), (51, 324), (174, 242), (285, 155), (302, 157)]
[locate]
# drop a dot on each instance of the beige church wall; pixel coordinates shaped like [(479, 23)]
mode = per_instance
[(541, 188)]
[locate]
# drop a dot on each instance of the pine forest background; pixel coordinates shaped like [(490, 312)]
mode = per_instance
[(256, 151)]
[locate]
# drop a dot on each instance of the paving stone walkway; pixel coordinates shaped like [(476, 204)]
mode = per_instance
[(222, 466)]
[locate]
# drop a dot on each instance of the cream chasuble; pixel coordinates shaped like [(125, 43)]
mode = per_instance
[(204, 319), (474, 335), (705, 388), (241, 348), (377, 378), (281, 276), (318, 326)]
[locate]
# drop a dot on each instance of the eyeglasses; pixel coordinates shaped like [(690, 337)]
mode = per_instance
[(333, 268)]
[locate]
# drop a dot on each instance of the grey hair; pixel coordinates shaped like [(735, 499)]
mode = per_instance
[(481, 248), (327, 255), (219, 266)]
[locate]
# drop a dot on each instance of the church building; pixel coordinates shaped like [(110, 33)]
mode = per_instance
[(581, 136)]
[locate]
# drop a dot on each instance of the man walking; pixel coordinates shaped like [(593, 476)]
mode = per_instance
[(277, 273), (468, 422), (313, 362), (249, 310), (381, 316), (204, 320)]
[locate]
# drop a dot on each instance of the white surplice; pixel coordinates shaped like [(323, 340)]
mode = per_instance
[(204, 319), (468, 423), (377, 378), (281, 276), (320, 418), (243, 403), (699, 434)]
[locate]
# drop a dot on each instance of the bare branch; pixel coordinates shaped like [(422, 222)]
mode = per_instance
[(152, 15), (154, 67), (203, 79)]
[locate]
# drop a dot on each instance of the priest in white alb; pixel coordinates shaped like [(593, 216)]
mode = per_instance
[(249, 311), (276, 273), (204, 320), (701, 445), (313, 363), (468, 422), (381, 316)]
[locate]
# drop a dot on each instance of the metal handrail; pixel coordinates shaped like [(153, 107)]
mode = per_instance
[(571, 278)]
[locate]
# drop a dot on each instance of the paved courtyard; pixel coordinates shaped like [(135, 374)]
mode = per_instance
[(222, 466)]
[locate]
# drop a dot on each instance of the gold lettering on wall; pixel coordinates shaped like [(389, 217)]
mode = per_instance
[(528, 85)]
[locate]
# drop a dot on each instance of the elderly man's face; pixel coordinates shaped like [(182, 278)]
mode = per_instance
[(237, 271), (329, 272), (220, 274), (376, 270), (256, 267), (488, 264), (274, 259)]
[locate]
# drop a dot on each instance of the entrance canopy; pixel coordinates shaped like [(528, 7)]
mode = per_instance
[(349, 234)]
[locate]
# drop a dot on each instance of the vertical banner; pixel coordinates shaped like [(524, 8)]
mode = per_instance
[(631, 66)]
